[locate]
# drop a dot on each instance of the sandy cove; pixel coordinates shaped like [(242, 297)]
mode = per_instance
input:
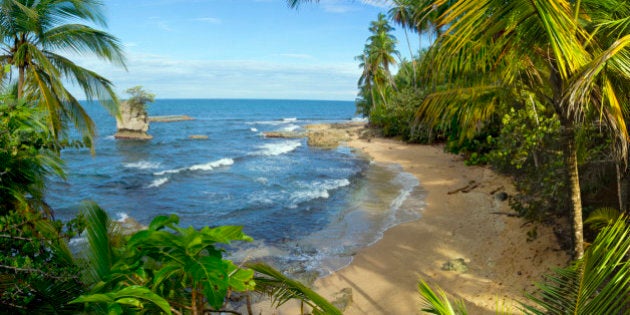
[(502, 263)]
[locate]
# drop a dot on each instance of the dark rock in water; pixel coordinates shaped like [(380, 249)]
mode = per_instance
[(284, 134), (457, 265), (501, 196)]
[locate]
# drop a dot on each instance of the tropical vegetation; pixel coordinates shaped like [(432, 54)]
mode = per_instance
[(164, 268), (537, 89), (35, 34)]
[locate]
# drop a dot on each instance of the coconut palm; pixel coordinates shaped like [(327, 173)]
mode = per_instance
[(570, 56), (34, 34), (376, 60), (401, 14)]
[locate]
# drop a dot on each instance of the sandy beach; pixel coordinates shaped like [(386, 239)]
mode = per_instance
[(464, 221)]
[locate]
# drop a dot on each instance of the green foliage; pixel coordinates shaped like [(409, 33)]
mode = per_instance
[(27, 156), (184, 266), (282, 289), (37, 272), (139, 98), (528, 147), (602, 217), (375, 83), (474, 149), (186, 255), (34, 34), (598, 283), (125, 300), (437, 302)]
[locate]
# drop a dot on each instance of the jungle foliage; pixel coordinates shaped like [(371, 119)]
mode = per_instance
[(537, 91)]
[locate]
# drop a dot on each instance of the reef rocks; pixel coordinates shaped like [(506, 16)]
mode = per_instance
[(170, 118)]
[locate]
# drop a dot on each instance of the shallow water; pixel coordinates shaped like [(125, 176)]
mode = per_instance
[(308, 209)]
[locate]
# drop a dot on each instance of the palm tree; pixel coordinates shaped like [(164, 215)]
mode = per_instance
[(401, 14), (376, 60), (33, 35), (564, 53)]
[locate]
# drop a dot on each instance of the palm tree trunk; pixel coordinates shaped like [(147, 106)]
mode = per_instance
[(20, 87), (623, 184), (575, 193), (413, 60), (194, 306)]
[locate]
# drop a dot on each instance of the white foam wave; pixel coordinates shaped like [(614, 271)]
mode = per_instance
[(158, 182), (360, 119), (290, 128), (274, 122), (198, 167), (121, 217), (278, 148), (143, 165), (212, 165), (110, 137), (316, 190), (253, 129)]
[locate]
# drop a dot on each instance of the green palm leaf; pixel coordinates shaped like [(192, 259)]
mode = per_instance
[(437, 302), (282, 289), (598, 283)]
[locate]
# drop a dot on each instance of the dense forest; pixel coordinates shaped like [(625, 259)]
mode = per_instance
[(536, 89)]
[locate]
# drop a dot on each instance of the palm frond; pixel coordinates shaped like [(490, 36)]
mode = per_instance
[(602, 217), (283, 289), (437, 302), (598, 283)]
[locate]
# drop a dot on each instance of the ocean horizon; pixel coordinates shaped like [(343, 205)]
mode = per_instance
[(308, 209)]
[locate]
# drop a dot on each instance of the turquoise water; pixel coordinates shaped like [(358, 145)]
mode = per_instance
[(308, 209)]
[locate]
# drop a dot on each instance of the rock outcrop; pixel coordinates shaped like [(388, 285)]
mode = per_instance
[(170, 118), (133, 122)]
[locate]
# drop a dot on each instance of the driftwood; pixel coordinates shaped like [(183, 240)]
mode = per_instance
[(496, 190), (471, 185)]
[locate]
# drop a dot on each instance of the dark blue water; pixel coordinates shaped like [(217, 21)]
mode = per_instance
[(303, 205)]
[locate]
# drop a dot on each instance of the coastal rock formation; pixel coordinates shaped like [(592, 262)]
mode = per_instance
[(170, 118), (133, 122), (329, 136), (284, 134)]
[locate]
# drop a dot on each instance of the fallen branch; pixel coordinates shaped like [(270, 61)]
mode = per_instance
[(471, 185), (496, 190)]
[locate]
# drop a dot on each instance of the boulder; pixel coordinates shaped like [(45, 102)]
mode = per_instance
[(133, 122), (458, 265)]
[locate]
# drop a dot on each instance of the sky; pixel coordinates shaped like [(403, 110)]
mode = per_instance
[(241, 48)]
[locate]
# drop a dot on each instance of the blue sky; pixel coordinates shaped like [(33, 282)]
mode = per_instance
[(241, 48)]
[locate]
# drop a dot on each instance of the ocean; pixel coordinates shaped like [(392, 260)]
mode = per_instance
[(308, 209)]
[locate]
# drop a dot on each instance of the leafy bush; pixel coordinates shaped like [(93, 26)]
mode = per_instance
[(528, 148)]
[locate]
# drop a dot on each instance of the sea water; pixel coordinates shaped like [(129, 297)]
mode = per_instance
[(308, 209)]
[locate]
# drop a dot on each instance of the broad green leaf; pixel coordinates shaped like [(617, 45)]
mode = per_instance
[(163, 221)]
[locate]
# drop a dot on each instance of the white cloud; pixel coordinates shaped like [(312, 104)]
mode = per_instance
[(343, 6), (296, 56), (209, 20), (173, 78), (160, 23)]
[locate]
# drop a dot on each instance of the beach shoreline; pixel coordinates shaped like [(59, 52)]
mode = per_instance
[(464, 221)]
